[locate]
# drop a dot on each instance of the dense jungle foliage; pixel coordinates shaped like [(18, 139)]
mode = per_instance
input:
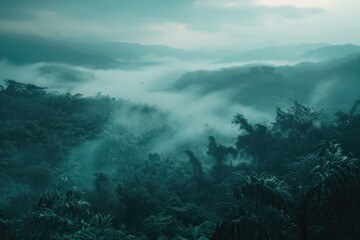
[(75, 167)]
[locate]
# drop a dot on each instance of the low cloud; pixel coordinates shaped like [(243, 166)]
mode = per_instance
[(64, 74), (192, 113)]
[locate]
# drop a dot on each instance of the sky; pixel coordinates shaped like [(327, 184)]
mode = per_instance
[(187, 24)]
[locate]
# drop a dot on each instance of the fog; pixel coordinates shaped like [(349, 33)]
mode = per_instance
[(143, 85), (193, 113), (190, 119)]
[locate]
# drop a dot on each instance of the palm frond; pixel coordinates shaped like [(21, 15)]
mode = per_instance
[(248, 228), (259, 190)]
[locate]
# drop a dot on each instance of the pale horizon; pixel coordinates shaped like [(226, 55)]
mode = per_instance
[(189, 24)]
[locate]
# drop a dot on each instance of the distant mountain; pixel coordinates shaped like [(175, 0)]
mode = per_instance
[(135, 52), (261, 87), (24, 49), (330, 52), (332, 85), (284, 53), (27, 49), (128, 51)]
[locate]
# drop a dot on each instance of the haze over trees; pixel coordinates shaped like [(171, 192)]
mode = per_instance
[(179, 120), (294, 178), (79, 166)]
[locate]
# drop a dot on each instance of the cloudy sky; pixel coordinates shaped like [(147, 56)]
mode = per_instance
[(187, 23)]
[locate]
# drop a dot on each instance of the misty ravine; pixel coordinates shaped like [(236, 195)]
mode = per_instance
[(179, 120)]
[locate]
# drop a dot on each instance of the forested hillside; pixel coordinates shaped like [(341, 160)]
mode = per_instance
[(330, 85), (179, 120), (75, 167)]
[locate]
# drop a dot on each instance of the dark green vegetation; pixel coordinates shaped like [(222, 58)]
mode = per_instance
[(75, 167)]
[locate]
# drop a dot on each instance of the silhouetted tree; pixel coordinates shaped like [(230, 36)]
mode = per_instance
[(299, 128), (220, 153), (195, 163), (256, 140), (347, 125), (16, 88)]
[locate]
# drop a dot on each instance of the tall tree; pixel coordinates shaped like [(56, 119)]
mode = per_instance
[(256, 140)]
